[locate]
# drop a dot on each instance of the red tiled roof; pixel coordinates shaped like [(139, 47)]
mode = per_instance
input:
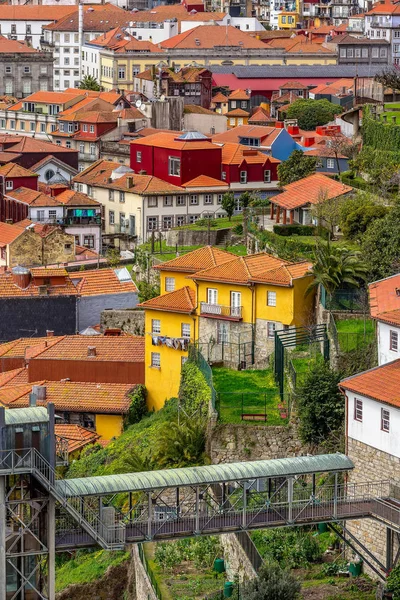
[(182, 300), (383, 296), (238, 95), (204, 181), (25, 143), (211, 37), (20, 347), (49, 272), (118, 40), (236, 154), (384, 9), (259, 116), (392, 317), (310, 190), (96, 17), (8, 289), (293, 85), (237, 112), (219, 98), (16, 376), (13, 170), (128, 348), (266, 135), (14, 46), (195, 109), (77, 437), (40, 12), (32, 197), (107, 398), (101, 281), (73, 198), (194, 261), (255, 268), (171, 141), (9, 233), (161, 13), (381, 383)]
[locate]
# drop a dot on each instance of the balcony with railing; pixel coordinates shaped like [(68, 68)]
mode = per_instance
[(87, 156), (218, 311)]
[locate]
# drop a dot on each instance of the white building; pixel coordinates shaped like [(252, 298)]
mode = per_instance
[(385, 309), (383, 21)]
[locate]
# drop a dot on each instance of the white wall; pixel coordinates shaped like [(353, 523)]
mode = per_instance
[(53, 167), (91, 61), (158, 33), (243, 23), (368, 431), (82, 230), (21, 34), (33, 212), (386, 355)]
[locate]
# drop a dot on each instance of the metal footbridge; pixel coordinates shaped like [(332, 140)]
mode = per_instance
[(41, 513)]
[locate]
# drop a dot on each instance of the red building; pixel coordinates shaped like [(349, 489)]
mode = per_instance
[(241, 165), (176, 158), (12, 177)]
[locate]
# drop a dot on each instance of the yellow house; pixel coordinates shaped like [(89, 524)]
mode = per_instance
[(288, 20), (230, 308)]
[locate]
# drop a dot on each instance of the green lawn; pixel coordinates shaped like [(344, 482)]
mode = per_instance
[(255, 390), (87, 566), (354, 333), (303, 364), (390, 114), (221, 223), (311, 240), (169, 252)]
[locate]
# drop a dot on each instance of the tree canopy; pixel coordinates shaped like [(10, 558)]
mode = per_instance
[(381, 245), (310, 113), (296, 167), (229, 203), (358, 212)]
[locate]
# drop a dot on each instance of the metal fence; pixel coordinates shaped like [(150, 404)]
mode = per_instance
[(196, 356), (251, 406), (348, 341), (343, 300), (149, 572), (239, 355)]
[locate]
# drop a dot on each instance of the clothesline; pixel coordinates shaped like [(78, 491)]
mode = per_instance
[(176, 343)]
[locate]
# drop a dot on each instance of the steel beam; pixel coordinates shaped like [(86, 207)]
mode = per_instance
[(51, 545), (3, 525)]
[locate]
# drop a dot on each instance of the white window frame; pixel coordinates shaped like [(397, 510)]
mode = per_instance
[(185, 331), (170, 284), (271, 299), (393, 341), (330, 163), (271, 328), (358, 410), (156, 360), (212, 296), (385, 420), (243, 176), (156, 326), (174, 166)]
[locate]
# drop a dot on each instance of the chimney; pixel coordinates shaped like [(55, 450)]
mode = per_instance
[(49, 332), (280, 125), (39, 391), (91, 351), (32, 399), (129, 181)]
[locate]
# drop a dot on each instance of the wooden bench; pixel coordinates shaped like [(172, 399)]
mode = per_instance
[(253, 417)]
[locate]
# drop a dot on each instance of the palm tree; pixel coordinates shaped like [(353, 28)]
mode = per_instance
[(89, 82), (180, 444), (335, 267)]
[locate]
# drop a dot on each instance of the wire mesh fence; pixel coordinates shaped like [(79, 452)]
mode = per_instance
[(349, 341)]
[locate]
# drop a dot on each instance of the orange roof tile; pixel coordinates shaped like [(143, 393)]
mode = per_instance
[(383, 296), (239, 95), (9, 233), (25, 143), (182, 300), (382, 8), (8, 289), (15, 47), (77, 437), (13, 170), (101, 281), (381, 383), (392, 317), (199, 110), (22, 346), (265, 134), (106, 398), (96, 17), (255, 268), (73, 198), (128, 348), (49, 272), (204, 181), (172, 141), (40, 12), (212, 36), (259, 116), (236, 154), (32, 197), (293, 85), (161, 13), (219, 98), (194, 261), (237, 112), (16, 376), (99, 174), (118, 40), (310, 190)]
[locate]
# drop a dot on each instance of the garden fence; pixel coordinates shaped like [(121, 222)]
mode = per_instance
[(253, 406), (343, 300), (149, 572), (237, 355), (348, 341)]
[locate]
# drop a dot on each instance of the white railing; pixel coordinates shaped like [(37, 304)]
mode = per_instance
[(220, 310)]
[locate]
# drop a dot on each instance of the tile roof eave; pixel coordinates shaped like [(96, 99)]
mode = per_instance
[(171, 310)]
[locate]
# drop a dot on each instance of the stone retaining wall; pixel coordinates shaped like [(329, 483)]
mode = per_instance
[(144, 589), (237, 564), (130, 321)]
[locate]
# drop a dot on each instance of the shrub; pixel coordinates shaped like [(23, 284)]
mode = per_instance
[(393, 582), (138, 406), (194, 392), (238, 229), (206, 222), (272, 584), (306, 230)]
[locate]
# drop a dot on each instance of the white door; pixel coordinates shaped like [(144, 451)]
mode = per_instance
[(236, 303)]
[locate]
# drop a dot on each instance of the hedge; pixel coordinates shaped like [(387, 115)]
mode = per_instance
[(306, 230)]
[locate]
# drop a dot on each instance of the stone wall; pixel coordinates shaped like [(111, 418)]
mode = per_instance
[(236, 442), (371, 465), (30, 249), (237, 563), (191, 237), (130, 321), (144, 589), (90, 308)]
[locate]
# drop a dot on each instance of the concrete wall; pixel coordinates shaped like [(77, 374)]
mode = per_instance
[(189, 237), (91, 307), (130, 321), (205, 123)]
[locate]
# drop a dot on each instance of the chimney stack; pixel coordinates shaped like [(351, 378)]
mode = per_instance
[(91, 351), (39, 391), (49, 332), (32, 399)]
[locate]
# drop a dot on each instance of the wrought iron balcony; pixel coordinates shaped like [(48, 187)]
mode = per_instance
[(218, 311)]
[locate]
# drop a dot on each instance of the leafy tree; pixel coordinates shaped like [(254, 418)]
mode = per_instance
[(89, 82), (273, 583), (245, 199), (296, 167), (335, 267), (327, 212), (393, 582), (320, 404), (381, 167), (357, 213), (310, 113), (389, 77), (147, 291), (229, 203), (180, 444), (194, 392), (113, 257), (138, 406), (381, 245)]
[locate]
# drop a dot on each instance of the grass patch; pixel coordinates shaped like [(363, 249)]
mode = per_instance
[(389, 115), (256, 389), (221, 223), (87, 566), (354, 333), (165, 253)]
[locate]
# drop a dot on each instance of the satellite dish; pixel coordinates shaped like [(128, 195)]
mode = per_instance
[(142, 106), (138, 103), (162, 98)]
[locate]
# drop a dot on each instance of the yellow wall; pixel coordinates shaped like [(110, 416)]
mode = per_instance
[(109, 426), (181, 280), (224, 296), (304, 304), (163, 383), (283, 312)]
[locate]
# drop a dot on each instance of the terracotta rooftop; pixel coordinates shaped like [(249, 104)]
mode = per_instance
[(293, 85), (41, 12), (236, 154), (103, 281), (159, 14), (182, 300), (15, 376), (266, 135), (255, 268), (219, 98), (120, 41), (237, 112), (198, 110), (13, 170), (382, 8), (8, 289), (310, 190), (204, 181), (32, 145), (9, 233), (171, 141), (49, 272), (259, 116), (128, 348), (212, 36), (96, 17), (77, 437), (381, 383), (20, 347), (194, 261), (107, 398), (99, 173), (384, 296), (73, 198), (239, 95), (324, 151), (32, 197), (14, 46)]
